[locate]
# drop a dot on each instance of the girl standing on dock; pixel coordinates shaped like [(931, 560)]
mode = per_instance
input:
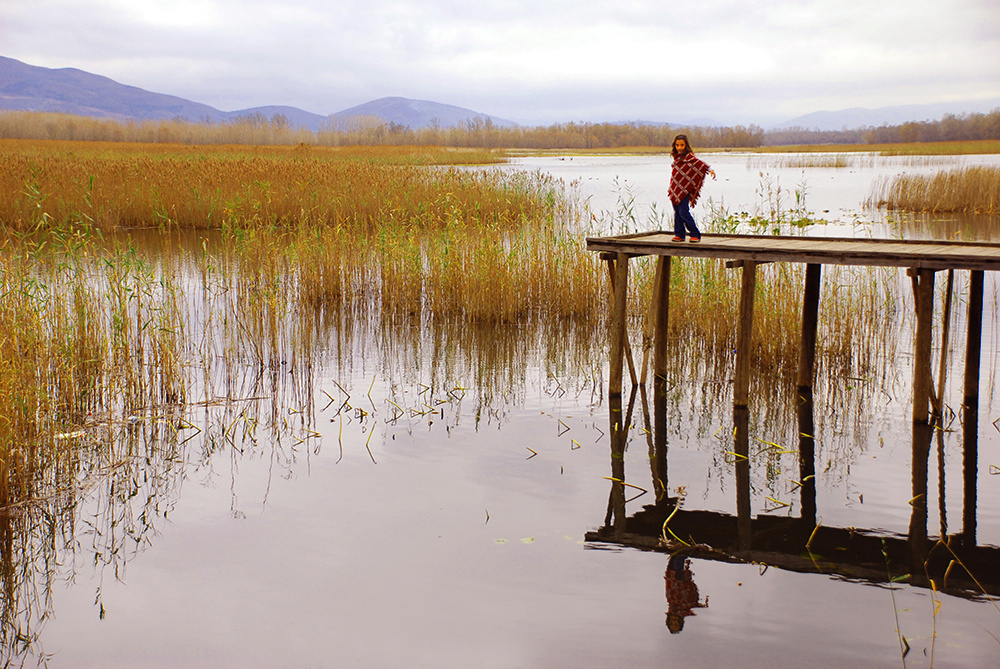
[(686, 178)]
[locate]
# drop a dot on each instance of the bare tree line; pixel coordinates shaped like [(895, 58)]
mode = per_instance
[(950, 128), (257, 129)]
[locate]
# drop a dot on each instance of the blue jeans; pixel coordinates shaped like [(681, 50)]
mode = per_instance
[(683, 218)]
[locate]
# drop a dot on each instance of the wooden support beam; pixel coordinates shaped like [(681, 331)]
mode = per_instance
[(810, 320), (922, 375), (628, 348), (938, 397), (975, 340), (741, 383), (618, 335), (662, 320), (736, 264), (649, 325)]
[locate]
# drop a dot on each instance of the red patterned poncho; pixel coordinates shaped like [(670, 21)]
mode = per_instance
[(686, 178)]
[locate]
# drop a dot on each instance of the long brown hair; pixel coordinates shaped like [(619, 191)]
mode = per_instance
[(687, 145)]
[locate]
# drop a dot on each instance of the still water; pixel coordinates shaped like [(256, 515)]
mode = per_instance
[(408, 504), (761, 184)]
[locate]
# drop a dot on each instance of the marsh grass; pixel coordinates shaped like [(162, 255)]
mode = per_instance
[(301, 250), (305, 249), (110, 186), (971, 190), (139, 284)]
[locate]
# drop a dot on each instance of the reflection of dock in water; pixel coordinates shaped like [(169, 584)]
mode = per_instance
[(799, 545), (802, 544)]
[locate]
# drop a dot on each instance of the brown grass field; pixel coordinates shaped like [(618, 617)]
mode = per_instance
[(133, 276)]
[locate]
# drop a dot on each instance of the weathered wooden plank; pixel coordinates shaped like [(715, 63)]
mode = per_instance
[(920, 254)]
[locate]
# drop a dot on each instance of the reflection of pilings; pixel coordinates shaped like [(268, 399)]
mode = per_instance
[(975, 339), (741, 384), (970, 409), (658, 461), (810, 318), (917, 534), (619, 435), (942, 506), (662, 322), (807, 457), (970, 473), (616, 504), (923, 292), (741, 420)]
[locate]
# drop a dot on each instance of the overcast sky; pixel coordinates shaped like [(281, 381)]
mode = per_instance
[(530, 61)]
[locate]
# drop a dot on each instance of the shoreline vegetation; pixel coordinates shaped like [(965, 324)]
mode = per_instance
[(967, 133)]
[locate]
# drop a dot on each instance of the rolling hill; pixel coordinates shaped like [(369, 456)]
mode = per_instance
[(68, 90)]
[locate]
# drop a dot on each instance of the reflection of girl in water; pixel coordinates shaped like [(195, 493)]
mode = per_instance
[(682, 593)]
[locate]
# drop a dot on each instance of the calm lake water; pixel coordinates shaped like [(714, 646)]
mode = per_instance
[(413, 503), (760, 183)]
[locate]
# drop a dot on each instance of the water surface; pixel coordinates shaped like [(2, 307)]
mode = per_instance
[(400, 505)]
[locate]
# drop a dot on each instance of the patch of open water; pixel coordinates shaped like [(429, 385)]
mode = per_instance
[(441, 521), (759, 183)]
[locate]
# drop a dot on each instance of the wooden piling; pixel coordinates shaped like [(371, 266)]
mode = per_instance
[(618, 324), (970, 409), (938, 397), (741, 384), (612, 279), (810, 321), (974, 341), (662, 319), (922, 375)]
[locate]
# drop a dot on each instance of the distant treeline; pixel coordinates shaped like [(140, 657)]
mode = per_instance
[(951, 128), (257, 129)]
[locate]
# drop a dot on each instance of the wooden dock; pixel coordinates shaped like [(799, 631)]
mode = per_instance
[(742, 536), (922, 259)]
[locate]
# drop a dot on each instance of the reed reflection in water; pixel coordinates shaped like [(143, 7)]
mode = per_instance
[(953, 563), (197, 357)]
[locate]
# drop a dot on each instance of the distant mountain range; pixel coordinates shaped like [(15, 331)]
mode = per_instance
[(863, 118), (71, 91)]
